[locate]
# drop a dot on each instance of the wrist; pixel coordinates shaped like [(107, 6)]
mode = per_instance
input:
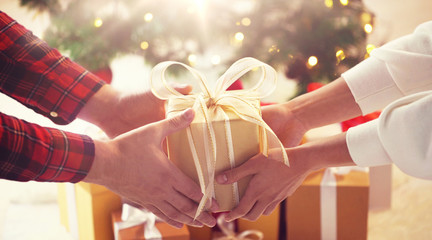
[(323, 153), (99, 110), (103, 164), (330, 104)]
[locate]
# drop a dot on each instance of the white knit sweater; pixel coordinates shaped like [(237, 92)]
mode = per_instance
[(398, 79)]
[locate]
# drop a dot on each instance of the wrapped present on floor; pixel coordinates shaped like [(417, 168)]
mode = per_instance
[(200, 233), (268, 225), (227, 129), (85, 210), (330, 204), (227, 231), (131, 223)]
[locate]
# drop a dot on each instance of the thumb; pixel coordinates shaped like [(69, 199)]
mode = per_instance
[(178, 122), (235, 174)]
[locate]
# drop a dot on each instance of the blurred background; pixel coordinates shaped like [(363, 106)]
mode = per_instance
[(308, 42)]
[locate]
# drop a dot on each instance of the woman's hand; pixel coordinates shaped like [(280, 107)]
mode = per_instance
[(282, 121)]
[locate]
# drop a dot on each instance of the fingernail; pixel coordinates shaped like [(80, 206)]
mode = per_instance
[(197, 224), (222, 178), (189, 114)]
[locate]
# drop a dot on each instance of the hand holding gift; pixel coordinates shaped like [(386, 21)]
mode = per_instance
[(227, 129), (140, 171)]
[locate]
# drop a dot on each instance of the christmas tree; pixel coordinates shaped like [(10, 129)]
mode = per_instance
[(312, 41)]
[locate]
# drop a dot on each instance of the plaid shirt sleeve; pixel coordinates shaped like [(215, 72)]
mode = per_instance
[(31, 152), (42, 79)]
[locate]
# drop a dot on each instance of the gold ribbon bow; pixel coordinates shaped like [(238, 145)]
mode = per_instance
[(210, 105), (231, 235)]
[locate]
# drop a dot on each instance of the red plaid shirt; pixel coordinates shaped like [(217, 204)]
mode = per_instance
[(42, 79)]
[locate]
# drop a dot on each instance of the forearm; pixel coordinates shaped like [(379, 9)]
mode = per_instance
[(329, 104), (323, 153)]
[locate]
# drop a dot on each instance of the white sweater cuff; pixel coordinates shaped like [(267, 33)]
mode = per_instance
[(365, 147), (372, 85)]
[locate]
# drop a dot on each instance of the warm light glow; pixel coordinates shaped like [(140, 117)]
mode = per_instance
[(239, 36), (148, 17), (366, 17), (368, 28), (312, 61), (369, 48), (192, 58), (274, 49), (144, 45), (344, 2), (98, 22), (215, 59), (200, 4), (340, 55), (328, 3), (246, 21)]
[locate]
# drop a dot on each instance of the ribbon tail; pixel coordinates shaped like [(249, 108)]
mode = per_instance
[(230, 147), (199, 172)]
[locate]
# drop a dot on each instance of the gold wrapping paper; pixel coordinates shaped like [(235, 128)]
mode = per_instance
[(245, 137)]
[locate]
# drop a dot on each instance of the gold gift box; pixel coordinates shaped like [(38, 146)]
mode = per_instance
[(94, 204), (303, 217), (246, 144)]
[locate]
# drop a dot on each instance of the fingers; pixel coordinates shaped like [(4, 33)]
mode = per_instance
[(271, 208), (162, 216), (246, 203), (235, 174), (189, 208), (256, 211), (182, 88), (176, 123), (188, 202)]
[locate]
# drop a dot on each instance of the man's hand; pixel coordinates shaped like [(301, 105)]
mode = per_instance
[(116, 113), (135, 166)]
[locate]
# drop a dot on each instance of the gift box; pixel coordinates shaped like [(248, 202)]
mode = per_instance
[(329, 206), (245, 139), (85, 210), (268, 225), (227, 129), (200, 233), (136, 232)]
